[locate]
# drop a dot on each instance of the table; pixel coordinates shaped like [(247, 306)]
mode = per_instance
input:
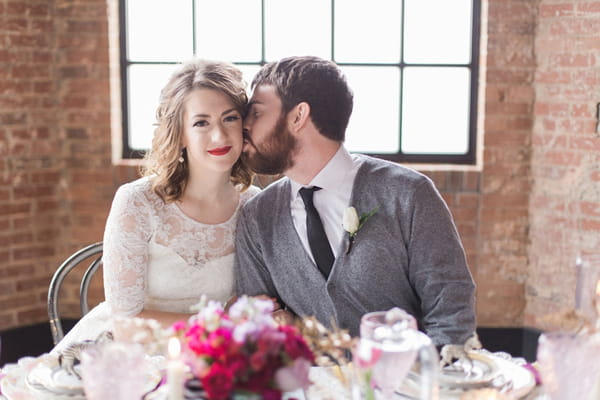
[(325, 383)]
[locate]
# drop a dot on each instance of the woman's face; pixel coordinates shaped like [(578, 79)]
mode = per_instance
[(212, 131)]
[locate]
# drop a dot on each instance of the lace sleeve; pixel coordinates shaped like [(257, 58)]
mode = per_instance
[(125, 255)]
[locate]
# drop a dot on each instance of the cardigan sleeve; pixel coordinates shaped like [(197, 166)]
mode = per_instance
[(252, 276), (438, 270)]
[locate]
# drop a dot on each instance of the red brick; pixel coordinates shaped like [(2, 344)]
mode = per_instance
[(17, 301), (15, 208), (15, 24), (555, 10), (15, 8), (590, 209), (93, 26), (28, 71), (589, 7), (32, 315), (585, 143), (28, 40), (32, 252), (590, 225)]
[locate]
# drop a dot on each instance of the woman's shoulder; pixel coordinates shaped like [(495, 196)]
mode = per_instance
[(249, 193), (140, 189)]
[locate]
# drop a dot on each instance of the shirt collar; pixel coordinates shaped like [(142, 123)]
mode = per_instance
[(329, 177)]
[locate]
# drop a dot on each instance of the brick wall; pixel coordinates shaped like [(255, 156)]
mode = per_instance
[(519, 215), (56, 179), (565, 197), (503, 219)]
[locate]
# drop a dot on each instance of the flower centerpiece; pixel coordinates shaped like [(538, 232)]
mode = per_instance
[(244, 351)]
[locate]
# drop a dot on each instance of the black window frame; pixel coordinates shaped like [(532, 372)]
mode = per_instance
[(469, 158)]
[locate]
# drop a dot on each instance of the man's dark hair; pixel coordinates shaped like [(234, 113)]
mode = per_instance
[(316, 81)]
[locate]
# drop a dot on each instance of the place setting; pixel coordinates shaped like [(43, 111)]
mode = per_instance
[(84, 371)]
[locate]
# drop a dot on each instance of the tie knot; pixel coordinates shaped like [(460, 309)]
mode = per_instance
[(307, 194)]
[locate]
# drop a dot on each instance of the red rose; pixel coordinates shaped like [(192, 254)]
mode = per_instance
[(295, 345), (271, 394), (218, 382)]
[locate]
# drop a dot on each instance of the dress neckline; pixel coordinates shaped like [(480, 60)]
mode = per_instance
[(226, 222)]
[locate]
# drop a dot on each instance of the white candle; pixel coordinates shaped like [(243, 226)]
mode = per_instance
[(175, 371), (578, 282)]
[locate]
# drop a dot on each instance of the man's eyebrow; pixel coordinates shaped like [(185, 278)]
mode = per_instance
[(253, 102)]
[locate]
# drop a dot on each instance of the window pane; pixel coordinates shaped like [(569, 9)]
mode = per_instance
[(435, 110), (159, 31), (368, 34), (249, 71), (295, 28), (438, 31), (145, 84), (229, 30), (373, 126)]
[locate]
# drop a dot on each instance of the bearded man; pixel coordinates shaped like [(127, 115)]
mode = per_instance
[(290, 242)]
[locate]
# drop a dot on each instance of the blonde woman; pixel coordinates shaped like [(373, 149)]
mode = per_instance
[(169, 237)]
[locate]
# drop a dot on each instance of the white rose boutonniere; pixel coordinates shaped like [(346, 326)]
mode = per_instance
[(352, 223)]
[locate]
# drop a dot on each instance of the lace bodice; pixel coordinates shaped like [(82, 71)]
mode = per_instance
[(156, 257)]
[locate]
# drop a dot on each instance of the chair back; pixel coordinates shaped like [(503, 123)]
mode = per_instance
[(94, 252)]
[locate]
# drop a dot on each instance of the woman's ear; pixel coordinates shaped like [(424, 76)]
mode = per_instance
[(299, 115)]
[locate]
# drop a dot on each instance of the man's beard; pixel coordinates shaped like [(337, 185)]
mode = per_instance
[(274, 155)]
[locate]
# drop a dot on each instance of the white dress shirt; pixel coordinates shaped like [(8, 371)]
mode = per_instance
[(336, 180)]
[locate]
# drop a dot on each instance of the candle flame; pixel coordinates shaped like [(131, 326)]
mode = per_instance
[(174, 347), (598, 288)]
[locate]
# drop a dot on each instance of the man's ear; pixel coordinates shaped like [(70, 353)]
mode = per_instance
[(298, 116)]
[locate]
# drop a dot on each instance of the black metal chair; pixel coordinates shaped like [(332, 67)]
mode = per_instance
[(93, 251)]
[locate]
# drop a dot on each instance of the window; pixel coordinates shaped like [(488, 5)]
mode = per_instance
[(412, 64)]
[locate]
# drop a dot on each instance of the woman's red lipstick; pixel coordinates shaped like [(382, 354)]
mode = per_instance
[(221, 151)]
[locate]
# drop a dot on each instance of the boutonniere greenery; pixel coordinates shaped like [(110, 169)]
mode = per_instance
[(352, 223)]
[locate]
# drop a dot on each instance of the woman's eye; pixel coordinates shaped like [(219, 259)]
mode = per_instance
[(200, 123), (232, 118)]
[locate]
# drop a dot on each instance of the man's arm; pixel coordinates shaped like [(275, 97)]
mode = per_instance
[(251, 274), (438, 270)]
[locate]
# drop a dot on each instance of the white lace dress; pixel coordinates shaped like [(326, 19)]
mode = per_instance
[(157, 258)]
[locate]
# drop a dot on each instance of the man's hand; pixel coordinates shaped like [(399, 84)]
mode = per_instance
[(283, 317)]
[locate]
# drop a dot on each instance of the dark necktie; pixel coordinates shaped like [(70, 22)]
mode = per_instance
[(319, 245)]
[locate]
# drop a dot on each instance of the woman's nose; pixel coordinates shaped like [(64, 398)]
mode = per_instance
[(218, 132)]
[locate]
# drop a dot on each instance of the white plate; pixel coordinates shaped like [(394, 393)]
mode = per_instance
[(522, 380), (480, 374), (39, 379)]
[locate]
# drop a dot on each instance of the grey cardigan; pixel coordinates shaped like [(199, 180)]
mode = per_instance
[(407, 255)]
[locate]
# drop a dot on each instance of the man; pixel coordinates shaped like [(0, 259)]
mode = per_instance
[(290, 243)]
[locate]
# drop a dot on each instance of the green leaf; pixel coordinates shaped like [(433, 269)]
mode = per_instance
[(363, 218)]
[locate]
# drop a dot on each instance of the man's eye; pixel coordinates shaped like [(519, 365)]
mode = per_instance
[(200, 123)]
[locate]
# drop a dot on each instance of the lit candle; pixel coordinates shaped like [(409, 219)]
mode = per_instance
[(597, 304), (175, 371), (578, 282)]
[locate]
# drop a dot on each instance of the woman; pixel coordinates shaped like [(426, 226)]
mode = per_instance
[(169, 235)]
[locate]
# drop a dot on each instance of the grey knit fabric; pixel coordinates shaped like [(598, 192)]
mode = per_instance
[(407, 255)]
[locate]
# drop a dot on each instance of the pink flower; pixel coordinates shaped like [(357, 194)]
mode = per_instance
[(218, 382), (244, 351), (366, 355), (295, 345), (271, 394), (294, 376), (179, 326)]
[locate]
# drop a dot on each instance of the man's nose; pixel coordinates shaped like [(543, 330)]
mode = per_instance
[(246, 124)]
